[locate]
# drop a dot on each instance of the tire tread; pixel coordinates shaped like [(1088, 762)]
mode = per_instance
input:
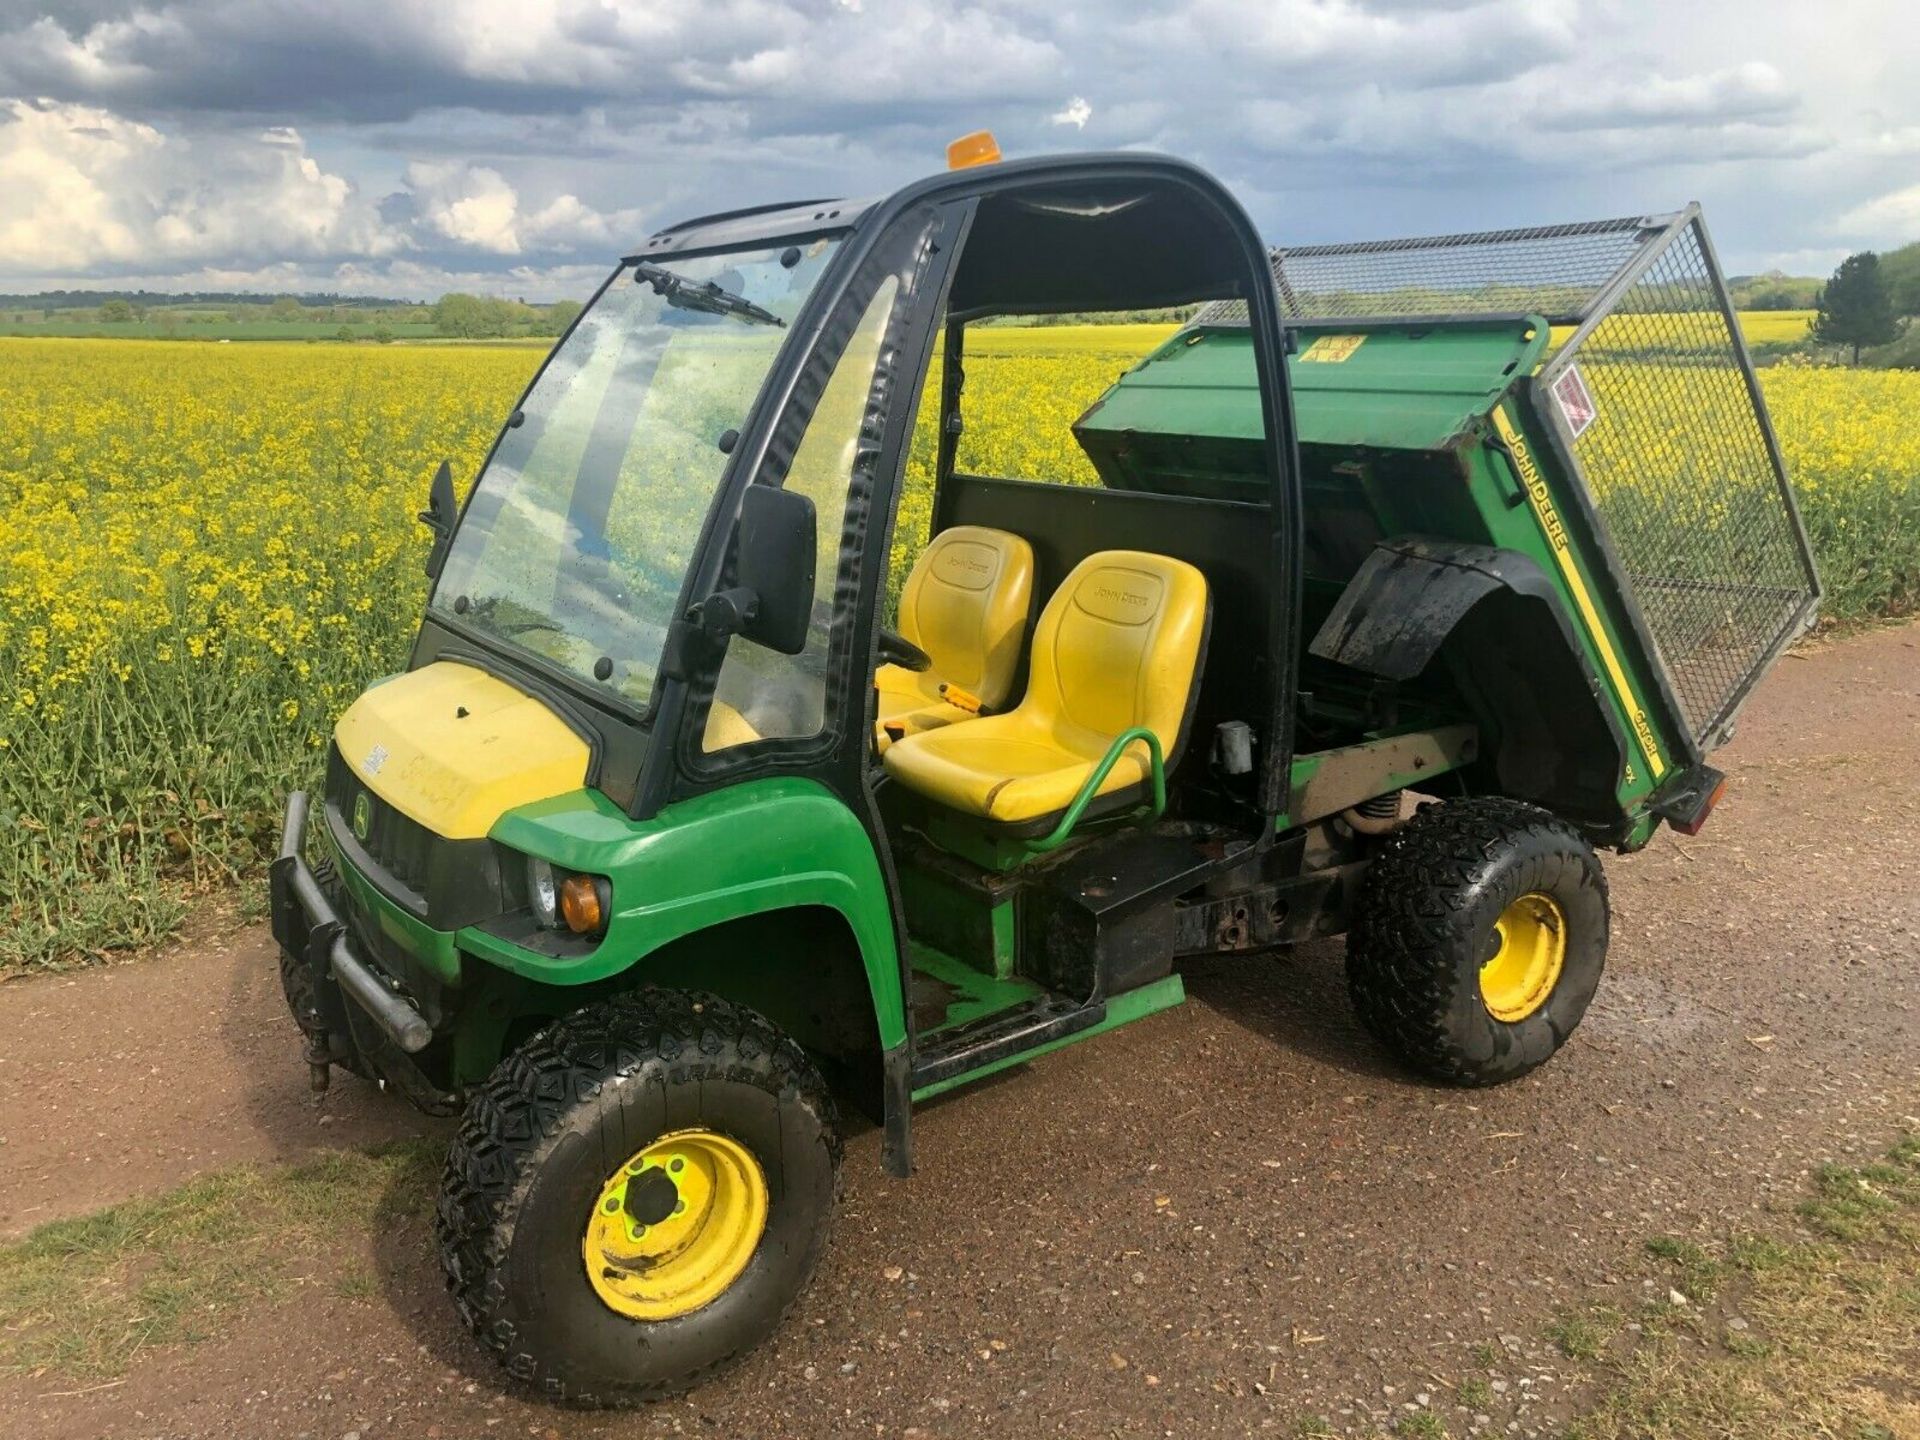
[(1403, 944), (523, 1109)]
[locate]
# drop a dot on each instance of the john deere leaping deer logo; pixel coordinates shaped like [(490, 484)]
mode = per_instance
[(362, 816)]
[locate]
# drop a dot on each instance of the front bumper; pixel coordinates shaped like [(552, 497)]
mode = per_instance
[(311, 932)]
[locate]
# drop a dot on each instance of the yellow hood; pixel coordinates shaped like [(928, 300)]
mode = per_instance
[(453, 748)]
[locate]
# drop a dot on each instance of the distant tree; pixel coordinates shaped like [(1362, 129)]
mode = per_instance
[(383, 334), (285, 307), (1854, 308), (459, 314), (169, 324), (116, 312), (477, 317), (345, 332), (558, 317), (1901, 270), (139, 310)]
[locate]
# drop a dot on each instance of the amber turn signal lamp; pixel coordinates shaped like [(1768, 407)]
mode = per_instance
[(979, 148), (581, 905)]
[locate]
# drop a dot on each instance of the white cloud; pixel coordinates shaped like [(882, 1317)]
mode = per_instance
[(1076, 112), (1567, 100), (1891, 219), (1330, 42), (467, 204), (520, 132), (89, 190), (87, 187), (474, 206)]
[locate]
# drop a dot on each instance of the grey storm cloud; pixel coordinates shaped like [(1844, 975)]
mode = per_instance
[(393, 143)]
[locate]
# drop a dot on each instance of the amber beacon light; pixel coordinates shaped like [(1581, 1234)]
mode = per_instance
[(979, 148)]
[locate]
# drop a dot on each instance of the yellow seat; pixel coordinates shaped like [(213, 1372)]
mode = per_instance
[(966, 604), (1117, 647), (726, 728)]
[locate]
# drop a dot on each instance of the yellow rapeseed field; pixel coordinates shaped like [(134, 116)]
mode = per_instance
[(209, 550)]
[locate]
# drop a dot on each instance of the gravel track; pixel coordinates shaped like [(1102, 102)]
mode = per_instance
[(1210, 1223)]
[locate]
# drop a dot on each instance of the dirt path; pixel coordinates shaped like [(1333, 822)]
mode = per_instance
[(1210, 1223)]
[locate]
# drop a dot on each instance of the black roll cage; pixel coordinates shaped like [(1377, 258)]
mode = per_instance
[(639, 761), (956, 199)]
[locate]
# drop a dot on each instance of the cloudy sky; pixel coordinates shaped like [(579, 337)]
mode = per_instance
[(516, 146)]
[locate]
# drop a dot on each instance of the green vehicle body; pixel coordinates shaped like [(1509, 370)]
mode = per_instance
[(1425, 428)]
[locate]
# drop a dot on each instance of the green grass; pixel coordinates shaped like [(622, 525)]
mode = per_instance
[(218, 329), (1700, 1273), (1815, 1337), (1584, 1336), (85, 1297)]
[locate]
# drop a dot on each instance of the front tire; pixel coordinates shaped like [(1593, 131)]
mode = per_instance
[(637, 1196), (1480, 939)]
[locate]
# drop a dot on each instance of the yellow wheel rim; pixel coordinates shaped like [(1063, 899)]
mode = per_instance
[(1530, 951), (675, 1225)]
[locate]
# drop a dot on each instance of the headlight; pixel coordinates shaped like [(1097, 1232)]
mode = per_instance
[(544, 892), (563, 900)]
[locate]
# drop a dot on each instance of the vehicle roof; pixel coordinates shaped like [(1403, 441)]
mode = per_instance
[(1152, 238), (726, 229), (801, 219)]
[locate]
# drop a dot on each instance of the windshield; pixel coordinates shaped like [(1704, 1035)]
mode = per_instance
[(582, 525)]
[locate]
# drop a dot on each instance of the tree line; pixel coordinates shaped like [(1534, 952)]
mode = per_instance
[(455, 315), (484, 317)]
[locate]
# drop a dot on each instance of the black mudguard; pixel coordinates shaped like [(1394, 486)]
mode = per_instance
[(1409, 594), (1496, 619)]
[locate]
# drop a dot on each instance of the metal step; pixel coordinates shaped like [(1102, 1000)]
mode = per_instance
[(995, 1037)]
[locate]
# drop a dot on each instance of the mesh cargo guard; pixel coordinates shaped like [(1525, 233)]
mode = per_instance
[(1652, 401)]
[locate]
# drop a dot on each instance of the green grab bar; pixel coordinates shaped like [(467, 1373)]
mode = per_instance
[(1091, 787)]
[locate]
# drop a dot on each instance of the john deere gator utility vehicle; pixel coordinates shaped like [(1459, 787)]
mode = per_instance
[(688, 824)]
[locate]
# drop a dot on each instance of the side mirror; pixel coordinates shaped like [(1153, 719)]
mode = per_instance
[(438, 517), (776, 548)]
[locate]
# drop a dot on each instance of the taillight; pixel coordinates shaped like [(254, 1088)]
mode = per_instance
[(1698, 820)]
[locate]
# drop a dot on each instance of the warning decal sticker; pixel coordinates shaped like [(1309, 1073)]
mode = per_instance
[(1576, 403), (1332, 349)]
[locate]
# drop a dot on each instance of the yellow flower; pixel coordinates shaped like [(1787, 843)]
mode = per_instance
[(210, 550)]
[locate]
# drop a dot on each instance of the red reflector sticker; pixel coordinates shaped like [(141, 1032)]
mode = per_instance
[(1570, 393)]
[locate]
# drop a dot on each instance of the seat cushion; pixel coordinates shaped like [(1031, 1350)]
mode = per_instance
[(898, 690), (966, 603), (1117, 648), (1005, 769), (727, 727)]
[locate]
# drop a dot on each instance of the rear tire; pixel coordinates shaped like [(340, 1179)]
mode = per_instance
[(1480, 939), (557, 1132)]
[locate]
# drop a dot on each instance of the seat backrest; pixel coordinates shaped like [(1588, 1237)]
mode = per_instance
[(966, 604), (1117, 646)]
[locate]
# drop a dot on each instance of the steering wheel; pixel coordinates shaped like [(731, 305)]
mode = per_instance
[(896, 649)]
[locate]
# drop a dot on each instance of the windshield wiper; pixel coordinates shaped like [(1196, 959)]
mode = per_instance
[(706, 297)]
